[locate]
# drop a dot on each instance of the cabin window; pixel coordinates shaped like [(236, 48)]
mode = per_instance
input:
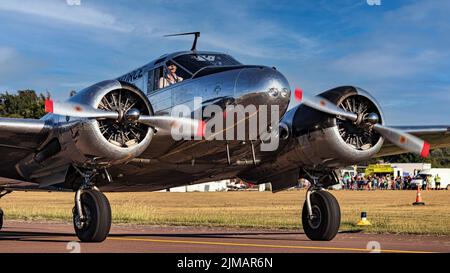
[(157, 74), (150, 84)]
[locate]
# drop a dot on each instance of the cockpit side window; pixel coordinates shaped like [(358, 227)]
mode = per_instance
[(180, 71), (168, 74)]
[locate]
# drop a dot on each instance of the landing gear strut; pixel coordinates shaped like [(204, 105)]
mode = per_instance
[(2, 193), (92, 211), (321, 214), (1, 219)]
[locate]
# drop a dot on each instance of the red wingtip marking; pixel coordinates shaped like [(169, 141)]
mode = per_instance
[(298, 94), (201, 128), (425, 150), (49, 106)]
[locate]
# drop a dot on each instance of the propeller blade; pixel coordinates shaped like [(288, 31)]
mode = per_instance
[(323, 105), (404, 140), (172, 125), (77, 110), (401, 139), (176, 126)]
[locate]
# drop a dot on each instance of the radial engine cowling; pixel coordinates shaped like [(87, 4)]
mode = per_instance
[(109, 141), (331, 142)]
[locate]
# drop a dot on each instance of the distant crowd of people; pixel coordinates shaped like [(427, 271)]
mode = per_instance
[(386, 182)]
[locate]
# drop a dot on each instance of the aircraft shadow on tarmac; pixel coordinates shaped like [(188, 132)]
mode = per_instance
[(33, 236), (47, 236)]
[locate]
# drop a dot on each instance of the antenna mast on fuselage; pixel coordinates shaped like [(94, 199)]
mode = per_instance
[(196, 35)]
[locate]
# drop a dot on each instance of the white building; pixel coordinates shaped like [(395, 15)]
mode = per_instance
[(410, 168), (204, 187)]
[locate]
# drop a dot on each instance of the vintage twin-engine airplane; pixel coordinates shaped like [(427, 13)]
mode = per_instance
[(116, 136)]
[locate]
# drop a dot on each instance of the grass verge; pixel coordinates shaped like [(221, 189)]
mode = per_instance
[(389, 211)]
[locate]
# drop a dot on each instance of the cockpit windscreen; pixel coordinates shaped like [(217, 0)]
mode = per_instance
[(195, 62)]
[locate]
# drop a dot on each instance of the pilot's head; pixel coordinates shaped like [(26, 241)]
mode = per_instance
[(172, 68)]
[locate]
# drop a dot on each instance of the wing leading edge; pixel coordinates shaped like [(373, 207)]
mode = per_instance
[(24, 134), (18, 139)]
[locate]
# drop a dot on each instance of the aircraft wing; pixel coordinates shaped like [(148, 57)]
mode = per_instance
[(23, 134), (437, 136), (18, 139)]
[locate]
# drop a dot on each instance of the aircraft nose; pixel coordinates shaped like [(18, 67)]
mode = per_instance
[(265, 85)]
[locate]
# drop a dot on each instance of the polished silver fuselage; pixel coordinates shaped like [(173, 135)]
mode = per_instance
[(167, 163)]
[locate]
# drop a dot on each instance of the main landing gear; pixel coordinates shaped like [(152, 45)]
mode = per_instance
[(1, 219), (321, 214), (92, 211), (2, 193)]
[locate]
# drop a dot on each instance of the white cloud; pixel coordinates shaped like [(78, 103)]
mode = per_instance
[(243, 34), (264, 42), (59, 10)]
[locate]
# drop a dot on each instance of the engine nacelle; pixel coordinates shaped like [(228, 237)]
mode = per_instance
[(107, 141), (328, 141)]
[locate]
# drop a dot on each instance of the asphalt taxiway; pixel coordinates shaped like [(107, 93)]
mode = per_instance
[(33, 237)]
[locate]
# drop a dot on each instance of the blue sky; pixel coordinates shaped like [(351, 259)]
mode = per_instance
[(399, 51)]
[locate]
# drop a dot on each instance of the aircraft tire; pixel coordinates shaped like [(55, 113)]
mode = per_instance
[(328, 217), (97, 210)]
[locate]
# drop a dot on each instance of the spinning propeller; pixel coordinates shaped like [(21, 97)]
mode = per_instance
[(163, 124), (400, 138)]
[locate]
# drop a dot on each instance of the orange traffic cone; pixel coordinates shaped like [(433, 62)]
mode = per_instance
[(419, 201)]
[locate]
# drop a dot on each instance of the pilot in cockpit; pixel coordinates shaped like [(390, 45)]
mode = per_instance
[(170, 77)]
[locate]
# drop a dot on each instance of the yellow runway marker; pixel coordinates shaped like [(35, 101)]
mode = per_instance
[(263, 245)]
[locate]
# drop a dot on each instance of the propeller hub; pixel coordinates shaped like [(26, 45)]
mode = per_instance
[(373, 118), (133, 115)]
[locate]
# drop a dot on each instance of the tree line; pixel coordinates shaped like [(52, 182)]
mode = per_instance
[(23, 104), (28, 104)]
